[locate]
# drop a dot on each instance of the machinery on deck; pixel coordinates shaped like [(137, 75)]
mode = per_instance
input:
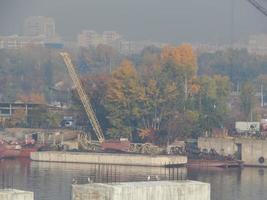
[(85, 143)]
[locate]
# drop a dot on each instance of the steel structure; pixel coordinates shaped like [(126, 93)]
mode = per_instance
[(84, 98), (257, 5)]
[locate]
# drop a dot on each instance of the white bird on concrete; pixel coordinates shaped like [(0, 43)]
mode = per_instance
[(74, 181), (148, 178), (89, 180)]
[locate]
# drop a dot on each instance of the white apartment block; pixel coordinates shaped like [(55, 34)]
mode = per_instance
[(17, 42), (134, 47), (258, 44), (39, 26), (110, 36), (91, 38)]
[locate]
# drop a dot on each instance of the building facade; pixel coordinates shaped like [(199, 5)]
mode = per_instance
[(258, 44), (17, 42), (90, 38), (39, 25), (110, 36)]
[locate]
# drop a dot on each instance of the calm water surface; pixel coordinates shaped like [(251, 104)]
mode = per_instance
[(52, 181)]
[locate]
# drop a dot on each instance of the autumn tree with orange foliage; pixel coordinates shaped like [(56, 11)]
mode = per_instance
[(124, 94), (184, 61), (182, 56)]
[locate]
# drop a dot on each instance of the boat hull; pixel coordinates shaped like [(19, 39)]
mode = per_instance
[(11, 151)]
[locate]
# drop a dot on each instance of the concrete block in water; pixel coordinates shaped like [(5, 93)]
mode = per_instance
[(157, 190), (12, 194), (109, 158)]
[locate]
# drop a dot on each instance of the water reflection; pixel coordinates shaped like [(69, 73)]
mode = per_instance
[(233, 183), (52, 181)]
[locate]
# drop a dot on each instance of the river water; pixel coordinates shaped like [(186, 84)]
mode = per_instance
[(52, 181)]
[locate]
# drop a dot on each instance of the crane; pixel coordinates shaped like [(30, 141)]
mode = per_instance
[(257, 5), (84, 98), (121, 145)]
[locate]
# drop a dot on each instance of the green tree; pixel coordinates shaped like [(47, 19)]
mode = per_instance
[(247, 98)]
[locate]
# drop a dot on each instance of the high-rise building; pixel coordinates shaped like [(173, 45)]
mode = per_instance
[(39, 25)]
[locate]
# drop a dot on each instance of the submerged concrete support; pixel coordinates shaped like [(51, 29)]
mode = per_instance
[(109, 158), (158, 190), (12, 194)]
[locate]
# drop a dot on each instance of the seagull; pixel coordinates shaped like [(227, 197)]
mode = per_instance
[(89, 180), (74, 181), (148, 178)]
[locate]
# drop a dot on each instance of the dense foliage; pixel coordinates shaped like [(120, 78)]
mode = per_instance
[(158, 94)]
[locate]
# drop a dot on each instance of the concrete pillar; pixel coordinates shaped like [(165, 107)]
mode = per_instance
[(157, 190), (12, 194), (26, 110), (10, 109)]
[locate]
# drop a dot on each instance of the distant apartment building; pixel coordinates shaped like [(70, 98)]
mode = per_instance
[(110, 36), (212, 48), (134, 47), (258, 44), (38, 31), (17, 42), (91, 38), (39, 25)]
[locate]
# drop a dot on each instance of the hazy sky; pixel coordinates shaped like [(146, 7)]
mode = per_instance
[(157, 20)]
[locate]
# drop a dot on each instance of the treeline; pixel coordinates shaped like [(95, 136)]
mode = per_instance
[(248, 76), (158, 95), (28, 73), (174, 93), (34, 71)]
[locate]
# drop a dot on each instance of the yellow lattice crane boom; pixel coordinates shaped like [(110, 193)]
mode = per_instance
[(83, 96)]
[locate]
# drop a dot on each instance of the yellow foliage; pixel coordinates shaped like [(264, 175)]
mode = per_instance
[(126, 69), (193, 86), (192, 116), (143, 133), (182, 55)]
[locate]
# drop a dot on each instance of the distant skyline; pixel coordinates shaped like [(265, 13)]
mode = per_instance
[(171, 21)]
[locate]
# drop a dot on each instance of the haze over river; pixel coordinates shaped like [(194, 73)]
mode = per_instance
[(52, 181)]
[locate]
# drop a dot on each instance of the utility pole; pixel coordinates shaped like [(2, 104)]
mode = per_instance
[(262, 97), (185, 90)]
